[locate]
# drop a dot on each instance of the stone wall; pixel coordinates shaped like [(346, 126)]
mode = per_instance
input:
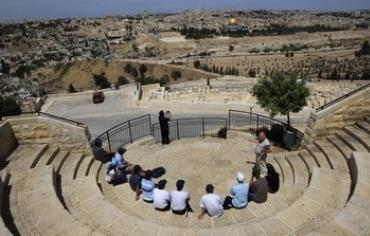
[(35, 129), (341, 114), (7, 139)]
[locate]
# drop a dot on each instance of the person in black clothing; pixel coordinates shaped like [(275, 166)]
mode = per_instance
[(165, 130), (99, 153), (272, 178), (135, 181)]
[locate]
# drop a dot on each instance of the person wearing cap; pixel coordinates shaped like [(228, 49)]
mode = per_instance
[(211, 203), (120, 162), (161, 197), (239, 194)]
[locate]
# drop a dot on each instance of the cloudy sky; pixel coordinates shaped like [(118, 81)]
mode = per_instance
[(17, 10)]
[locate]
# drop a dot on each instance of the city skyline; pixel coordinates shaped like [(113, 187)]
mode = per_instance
[(18, 10)]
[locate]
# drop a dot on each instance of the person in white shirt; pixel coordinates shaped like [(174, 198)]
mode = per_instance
[(180, 199), (211, 203), (261, 150), (161, 197)]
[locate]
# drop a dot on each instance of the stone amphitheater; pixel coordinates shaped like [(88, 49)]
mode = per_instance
[(51, 185)]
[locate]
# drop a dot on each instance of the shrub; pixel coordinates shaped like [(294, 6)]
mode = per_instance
[(222, 133), (71, 88), (9, 106), (176, 74), (122, 80), (101, 80)]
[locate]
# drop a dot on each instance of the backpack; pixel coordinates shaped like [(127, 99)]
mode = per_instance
[(158, 172)]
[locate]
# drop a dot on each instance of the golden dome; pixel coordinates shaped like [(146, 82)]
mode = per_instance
[(232, 21)]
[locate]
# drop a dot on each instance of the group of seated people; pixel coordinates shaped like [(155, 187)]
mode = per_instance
[(141, 182)]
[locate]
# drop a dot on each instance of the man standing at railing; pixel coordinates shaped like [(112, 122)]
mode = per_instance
[(165, 130), (261, 150)]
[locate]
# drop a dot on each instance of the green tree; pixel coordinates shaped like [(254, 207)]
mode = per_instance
[(176, 74), (164, 80), (9, 106), (71, 88), (127, 68), (101, 80), (122, 80), (281, 93), (365, 49)]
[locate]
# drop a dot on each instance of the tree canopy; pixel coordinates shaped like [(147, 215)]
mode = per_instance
[(281, 93)]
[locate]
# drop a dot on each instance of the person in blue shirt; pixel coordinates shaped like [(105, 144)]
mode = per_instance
[(147, 187), (119, 161), (239, 194)]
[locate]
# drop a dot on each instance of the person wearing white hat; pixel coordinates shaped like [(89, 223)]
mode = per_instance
[(239, 194)]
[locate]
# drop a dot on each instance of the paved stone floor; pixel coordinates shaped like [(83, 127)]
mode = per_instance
[(198, 161)]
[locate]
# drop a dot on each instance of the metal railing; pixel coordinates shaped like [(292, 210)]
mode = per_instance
[(125, 133), (341, 98), (191, 127), (39, 113), (132, 130), (251, 122)]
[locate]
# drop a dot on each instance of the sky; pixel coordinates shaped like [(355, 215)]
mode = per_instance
[(18, 10)]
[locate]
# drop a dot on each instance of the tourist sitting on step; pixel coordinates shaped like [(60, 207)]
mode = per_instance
[(120, 161), (99, 153), (211, 203), (161, 197), (135, 180), (180, 199), (147, 187), (239, 194), (115, 176), (272, 178), (261, 150), (258, 189)]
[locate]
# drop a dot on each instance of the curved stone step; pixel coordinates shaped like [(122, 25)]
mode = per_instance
[(350, 141), (308, 159), (3, 185), (340, 145), (319, 156), (59, 159), (355, 217), (47, 157), (311, 203), (89, 205), (23, 159), (337, 159), (84, 166), (360, 135), (36, 208), (364, 125), (69, 168)]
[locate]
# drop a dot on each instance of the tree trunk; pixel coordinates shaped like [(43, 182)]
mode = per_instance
[(288, 116)]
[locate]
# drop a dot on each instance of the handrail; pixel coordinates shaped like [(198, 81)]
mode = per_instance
[(341, 98), (291, 128), (39, 113)]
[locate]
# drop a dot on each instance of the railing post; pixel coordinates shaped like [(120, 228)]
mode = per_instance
[(204, 135), (229, 120), (258, 120), (110, 148), (129, 130), (178, 130), (150, 125)]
